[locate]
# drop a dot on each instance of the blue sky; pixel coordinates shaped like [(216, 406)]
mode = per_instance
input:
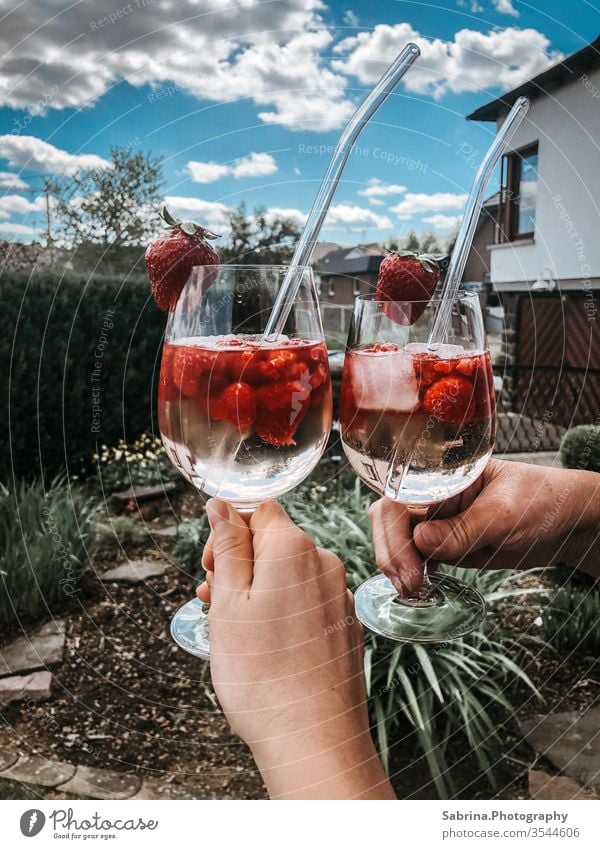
[(244, 99)]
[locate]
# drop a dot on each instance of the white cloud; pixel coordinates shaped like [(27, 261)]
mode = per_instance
[(18, 229), (416, 203), (349, 217), (253, 165), (442, 222), (377, 188), (375, 202), (472, 61), (505, 7), (20, 205), (341, 216), (211, 214), (206, 172), (37, 155), (8, 180), (295, 215), (270, 53), (350, 18)]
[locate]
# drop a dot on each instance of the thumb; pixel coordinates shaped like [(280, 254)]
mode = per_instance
[(450, 539), (232, 549)]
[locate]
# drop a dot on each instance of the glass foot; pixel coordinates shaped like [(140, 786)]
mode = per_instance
[(189, 629), (461, 609)]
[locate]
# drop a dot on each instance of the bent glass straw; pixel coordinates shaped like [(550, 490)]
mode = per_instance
[(441, 324), (314, 222)]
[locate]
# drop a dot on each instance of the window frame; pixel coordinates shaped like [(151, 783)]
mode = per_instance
[(509, 207)]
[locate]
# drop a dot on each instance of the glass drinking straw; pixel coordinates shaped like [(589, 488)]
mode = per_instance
[(441, 324), (314, 222)]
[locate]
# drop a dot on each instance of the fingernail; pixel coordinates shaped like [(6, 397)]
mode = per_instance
[(217, 512), (429, 534)]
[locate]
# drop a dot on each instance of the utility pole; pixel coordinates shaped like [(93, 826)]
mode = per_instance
[(47, 190)]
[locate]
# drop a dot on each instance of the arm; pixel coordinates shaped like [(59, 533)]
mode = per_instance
[(515, 516), (287, 657)]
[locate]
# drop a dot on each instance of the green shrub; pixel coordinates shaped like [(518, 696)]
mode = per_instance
[(189, 544), (121, 534), (570, 621), (142, 463), (54, 329), (43, 538), (443, 692), (580, 448)]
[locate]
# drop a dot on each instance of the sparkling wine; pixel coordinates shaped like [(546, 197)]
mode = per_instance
[(417, 425), (241, 418)]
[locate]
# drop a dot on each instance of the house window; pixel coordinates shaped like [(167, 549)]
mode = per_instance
[(356, 287), (331, 291), (519, 192)]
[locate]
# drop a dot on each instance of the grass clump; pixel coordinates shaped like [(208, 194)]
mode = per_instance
[(43, 540), (570, 621)]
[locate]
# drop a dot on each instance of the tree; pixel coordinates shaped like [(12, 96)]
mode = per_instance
[(423, 243), (110, 206), (258, 238)]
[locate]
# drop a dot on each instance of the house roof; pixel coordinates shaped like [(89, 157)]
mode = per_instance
[(552, 78), (357, 259)]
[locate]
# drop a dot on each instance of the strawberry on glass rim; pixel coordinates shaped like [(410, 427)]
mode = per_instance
[(407, 280), (172, 255)]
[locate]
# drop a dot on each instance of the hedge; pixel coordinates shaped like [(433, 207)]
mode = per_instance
[(78, 368)]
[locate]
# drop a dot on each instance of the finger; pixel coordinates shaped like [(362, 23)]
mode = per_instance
[(203, 592), (395, 552), (486, 522), (233, 553), (208, 555), (284, 555)]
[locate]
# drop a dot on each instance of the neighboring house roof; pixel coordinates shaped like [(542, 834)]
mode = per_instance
[(552, 78), (321, 249), (359, 259)]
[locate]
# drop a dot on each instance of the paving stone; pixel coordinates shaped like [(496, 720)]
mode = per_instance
[(43, 647), (135, 571), (169, 531), (542, 785), (102, 784), (32, 769), (145, 493), (163, 790), (36, 686), (571, 741), (7, 758)]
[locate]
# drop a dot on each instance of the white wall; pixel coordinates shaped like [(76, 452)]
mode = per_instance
[(566, 125)]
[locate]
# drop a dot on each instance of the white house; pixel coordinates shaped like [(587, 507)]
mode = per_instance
[(550, 206), (545, 257)]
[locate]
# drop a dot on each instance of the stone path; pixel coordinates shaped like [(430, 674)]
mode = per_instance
[(42, 648), (542, 785), (570, 741), (145, 493), (135, 571), (36, 686), (86, 781)]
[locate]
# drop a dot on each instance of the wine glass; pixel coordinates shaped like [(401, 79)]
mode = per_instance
[(418, 425), (242, 417)]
